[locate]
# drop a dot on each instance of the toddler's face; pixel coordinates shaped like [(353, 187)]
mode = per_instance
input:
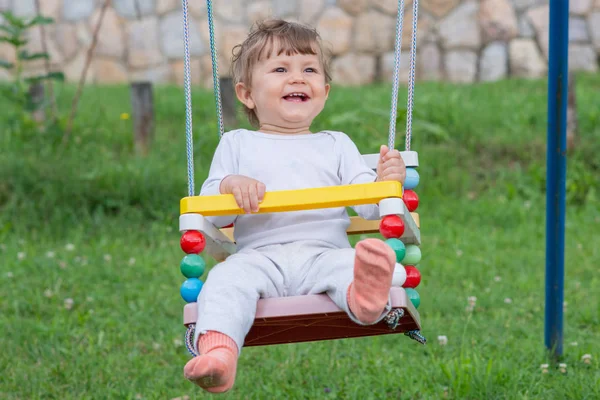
[(288, 91)]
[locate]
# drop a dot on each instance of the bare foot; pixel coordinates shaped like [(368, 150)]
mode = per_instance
[(373, 270)]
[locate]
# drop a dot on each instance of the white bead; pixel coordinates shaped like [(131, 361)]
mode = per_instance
[(399, 276)]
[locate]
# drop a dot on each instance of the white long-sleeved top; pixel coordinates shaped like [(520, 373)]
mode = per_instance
[(287, 162)]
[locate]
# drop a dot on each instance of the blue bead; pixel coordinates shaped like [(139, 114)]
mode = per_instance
[(412, 179), (190, 289)]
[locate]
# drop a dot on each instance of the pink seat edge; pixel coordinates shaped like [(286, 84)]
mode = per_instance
[(299, 305)]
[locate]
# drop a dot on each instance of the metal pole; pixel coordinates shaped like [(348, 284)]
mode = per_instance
[(558, 70)]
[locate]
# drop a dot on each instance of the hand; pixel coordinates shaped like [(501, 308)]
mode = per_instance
[(390, 166), (248, 192)]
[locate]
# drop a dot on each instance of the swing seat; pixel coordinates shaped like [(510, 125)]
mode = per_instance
[(307, 318), (297, 319)]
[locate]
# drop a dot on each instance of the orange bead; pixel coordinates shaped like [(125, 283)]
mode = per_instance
[(192, 242), (391, 226)]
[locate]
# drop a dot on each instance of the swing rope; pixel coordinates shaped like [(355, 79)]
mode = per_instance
[(411, 76), (188, 89), (396, 76), (215, 67), (188, 100)]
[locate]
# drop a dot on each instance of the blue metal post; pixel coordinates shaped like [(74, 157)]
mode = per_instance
[(558, 71)]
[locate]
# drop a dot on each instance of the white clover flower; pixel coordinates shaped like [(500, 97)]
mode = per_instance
[(562, 367), (50, 254), (508, 300), (442, 340), (21, 255), (70, 247), (586, 358), (107, 257), (48, 293), (69, 303)]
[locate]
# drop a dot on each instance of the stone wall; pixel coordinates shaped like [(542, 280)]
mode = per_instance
[(458, 40)]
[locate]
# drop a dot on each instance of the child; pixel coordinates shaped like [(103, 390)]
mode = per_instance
[(281, 76)]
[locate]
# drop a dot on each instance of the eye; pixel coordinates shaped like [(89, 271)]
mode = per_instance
[(310, 70), (279, 69)]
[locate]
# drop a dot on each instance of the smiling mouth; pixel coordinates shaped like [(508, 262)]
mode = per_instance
[(297, 97)]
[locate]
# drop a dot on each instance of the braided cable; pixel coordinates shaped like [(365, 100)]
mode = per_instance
[(189, 339), (215, 66), (411, 77), (396, 79), (188, 99)]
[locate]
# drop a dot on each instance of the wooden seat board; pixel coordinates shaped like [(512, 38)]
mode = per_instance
[(313, 317)]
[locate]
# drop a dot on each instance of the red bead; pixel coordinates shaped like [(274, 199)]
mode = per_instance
[(391, 226), (192, 242), (411, 200), (413, 277)]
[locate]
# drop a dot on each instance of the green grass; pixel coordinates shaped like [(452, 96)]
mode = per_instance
[(94, 223)]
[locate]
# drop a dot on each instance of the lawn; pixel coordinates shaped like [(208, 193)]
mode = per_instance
[(89, 278)]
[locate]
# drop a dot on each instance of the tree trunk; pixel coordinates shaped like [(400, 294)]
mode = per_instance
[(142, 108), (228, 100), (36, 96)]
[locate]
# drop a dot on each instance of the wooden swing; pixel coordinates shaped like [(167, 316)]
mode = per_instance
[(311, 317)]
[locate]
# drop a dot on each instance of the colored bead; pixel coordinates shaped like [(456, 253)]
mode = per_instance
[(413, 277), (414, 297), (391, 226), (412, 179), (192, 242), (413, 255), (190, 289), (411, 200), (192, 266), (399, 275), (398, 247)]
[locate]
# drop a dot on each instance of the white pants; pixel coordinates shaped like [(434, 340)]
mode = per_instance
[(227, 302)]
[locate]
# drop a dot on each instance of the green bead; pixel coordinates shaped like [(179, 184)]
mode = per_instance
[(414, 297), (192, 266), (413, 255), (398, 247)]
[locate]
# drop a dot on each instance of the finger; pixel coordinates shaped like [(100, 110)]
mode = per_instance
[(392, 154), (393, 163), (237, 194), (246, 200), (253, 197), (383, 151), (261, 189)]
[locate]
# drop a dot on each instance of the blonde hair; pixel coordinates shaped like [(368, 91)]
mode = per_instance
[(289, 37)]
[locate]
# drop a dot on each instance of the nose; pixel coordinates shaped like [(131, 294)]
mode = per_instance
[(297, 77)]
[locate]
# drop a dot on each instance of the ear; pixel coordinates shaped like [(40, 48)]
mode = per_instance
[(244, 95), (327, 87)]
